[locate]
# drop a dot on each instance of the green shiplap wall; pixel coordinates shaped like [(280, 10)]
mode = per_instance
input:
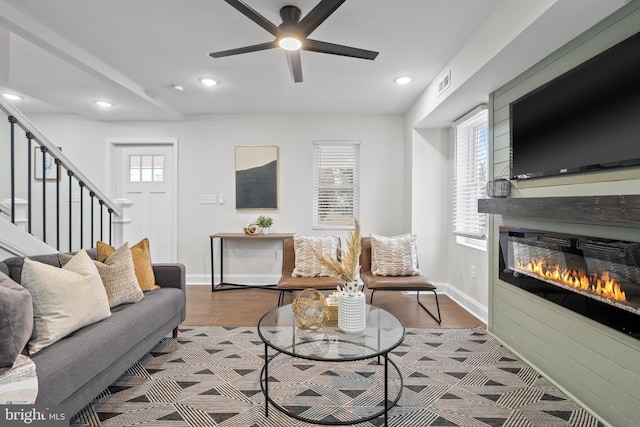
[(596, 365)]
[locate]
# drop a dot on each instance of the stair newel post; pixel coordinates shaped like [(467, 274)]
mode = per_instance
[(120, 222), (13, 121), (92, 197), (70, 208), (30, 137), (81, 185), (43, 149), (58, 177)]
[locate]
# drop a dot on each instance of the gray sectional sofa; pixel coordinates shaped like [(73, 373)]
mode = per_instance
[(74, 370)]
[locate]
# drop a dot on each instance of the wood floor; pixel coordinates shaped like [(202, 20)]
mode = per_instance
[(245, 307)]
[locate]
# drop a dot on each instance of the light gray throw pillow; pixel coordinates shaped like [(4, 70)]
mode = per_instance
[(64, 299)]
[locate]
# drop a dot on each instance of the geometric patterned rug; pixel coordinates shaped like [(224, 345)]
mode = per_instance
[(210, 375)]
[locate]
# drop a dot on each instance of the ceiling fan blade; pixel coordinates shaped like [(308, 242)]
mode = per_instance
[(246, 49), (317, 16), (293, 58), (338, 49), (247, 11)]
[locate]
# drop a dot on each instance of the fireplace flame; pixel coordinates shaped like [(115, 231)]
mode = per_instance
[(602, 285)]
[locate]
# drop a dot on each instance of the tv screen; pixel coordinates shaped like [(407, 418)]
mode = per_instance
[(584, 120)]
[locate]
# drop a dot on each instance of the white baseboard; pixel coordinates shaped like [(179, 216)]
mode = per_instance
[(472, 306), (256, 280)]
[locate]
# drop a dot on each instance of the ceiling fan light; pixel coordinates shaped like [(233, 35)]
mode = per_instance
[(11, 96), (403, 80), (208, 81), (290, 43), (103, 104)]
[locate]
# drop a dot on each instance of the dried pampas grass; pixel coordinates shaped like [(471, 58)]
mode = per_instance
[(348, 265)]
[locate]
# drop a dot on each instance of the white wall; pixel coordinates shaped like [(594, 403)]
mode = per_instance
[(206, 166), (446, 262), (429, 201)]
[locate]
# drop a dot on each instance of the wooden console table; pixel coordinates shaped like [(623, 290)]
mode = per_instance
[(238, 236)]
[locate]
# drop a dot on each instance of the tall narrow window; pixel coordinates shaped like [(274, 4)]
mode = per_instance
[(336, 183), (471, 174)]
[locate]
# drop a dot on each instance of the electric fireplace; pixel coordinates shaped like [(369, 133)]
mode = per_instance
[(598, 278)]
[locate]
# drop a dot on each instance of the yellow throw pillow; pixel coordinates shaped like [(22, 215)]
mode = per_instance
[(141, 262)]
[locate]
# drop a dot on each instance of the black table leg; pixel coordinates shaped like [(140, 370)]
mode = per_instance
[(386, 388), (266, 382), (213, 283)]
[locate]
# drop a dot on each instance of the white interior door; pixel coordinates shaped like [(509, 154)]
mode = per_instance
[(145, 173)]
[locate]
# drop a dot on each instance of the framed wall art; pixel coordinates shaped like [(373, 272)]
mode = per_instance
[(51, 172), (257, 177)]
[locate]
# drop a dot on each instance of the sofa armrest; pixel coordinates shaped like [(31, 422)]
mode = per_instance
[(170, 275)]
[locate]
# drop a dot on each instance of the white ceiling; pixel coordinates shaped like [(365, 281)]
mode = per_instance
[(61, 55)]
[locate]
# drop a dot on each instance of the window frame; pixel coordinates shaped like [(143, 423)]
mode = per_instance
[(354, 186), (470, 176)]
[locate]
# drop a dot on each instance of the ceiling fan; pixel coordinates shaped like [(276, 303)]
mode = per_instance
[(292, 34)]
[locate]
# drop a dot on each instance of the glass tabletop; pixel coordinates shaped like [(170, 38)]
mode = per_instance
[(384, 332)]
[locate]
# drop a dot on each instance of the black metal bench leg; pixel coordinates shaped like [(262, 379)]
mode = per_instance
[(281, 298), (371, 299), (439, 318)]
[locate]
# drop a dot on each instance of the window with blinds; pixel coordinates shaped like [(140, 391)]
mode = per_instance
[(470, 174), (336, 183)]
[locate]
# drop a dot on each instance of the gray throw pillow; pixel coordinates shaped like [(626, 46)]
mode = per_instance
[(16, 320)]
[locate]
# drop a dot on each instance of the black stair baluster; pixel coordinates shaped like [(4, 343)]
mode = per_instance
[(81, 184), (92, 196), (70, 207), (58, 177), (110, 212), (29, 136), (13, 122), (101, 218), (43, 149)]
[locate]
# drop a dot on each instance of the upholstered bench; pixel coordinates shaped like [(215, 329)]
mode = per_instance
[(415, 283)]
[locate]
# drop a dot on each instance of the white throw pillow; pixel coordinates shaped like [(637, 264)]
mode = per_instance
[(307, 263), (64, 299), (394, 256)]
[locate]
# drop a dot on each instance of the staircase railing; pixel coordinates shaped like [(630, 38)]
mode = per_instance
[(86, 219)]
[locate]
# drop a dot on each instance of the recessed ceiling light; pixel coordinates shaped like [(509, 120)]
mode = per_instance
[(12, 97), (103, 104), (403, 80), (208, 81), (178, 88), (290, 43)]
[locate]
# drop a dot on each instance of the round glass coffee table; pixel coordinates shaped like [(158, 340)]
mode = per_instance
[(384, 332)]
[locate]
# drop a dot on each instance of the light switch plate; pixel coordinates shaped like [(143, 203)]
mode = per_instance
[(208, 199)]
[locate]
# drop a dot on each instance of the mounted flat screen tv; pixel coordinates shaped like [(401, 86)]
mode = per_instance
[(587, 119)]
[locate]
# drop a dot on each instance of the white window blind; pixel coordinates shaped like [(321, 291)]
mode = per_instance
[(336, 183), (470, 174)]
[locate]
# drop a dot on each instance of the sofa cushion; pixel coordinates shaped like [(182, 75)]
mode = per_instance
[(89, 352), (394, 256), (64, 299), (118, 276), (141, 262), (307, 263), (16, 321)]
